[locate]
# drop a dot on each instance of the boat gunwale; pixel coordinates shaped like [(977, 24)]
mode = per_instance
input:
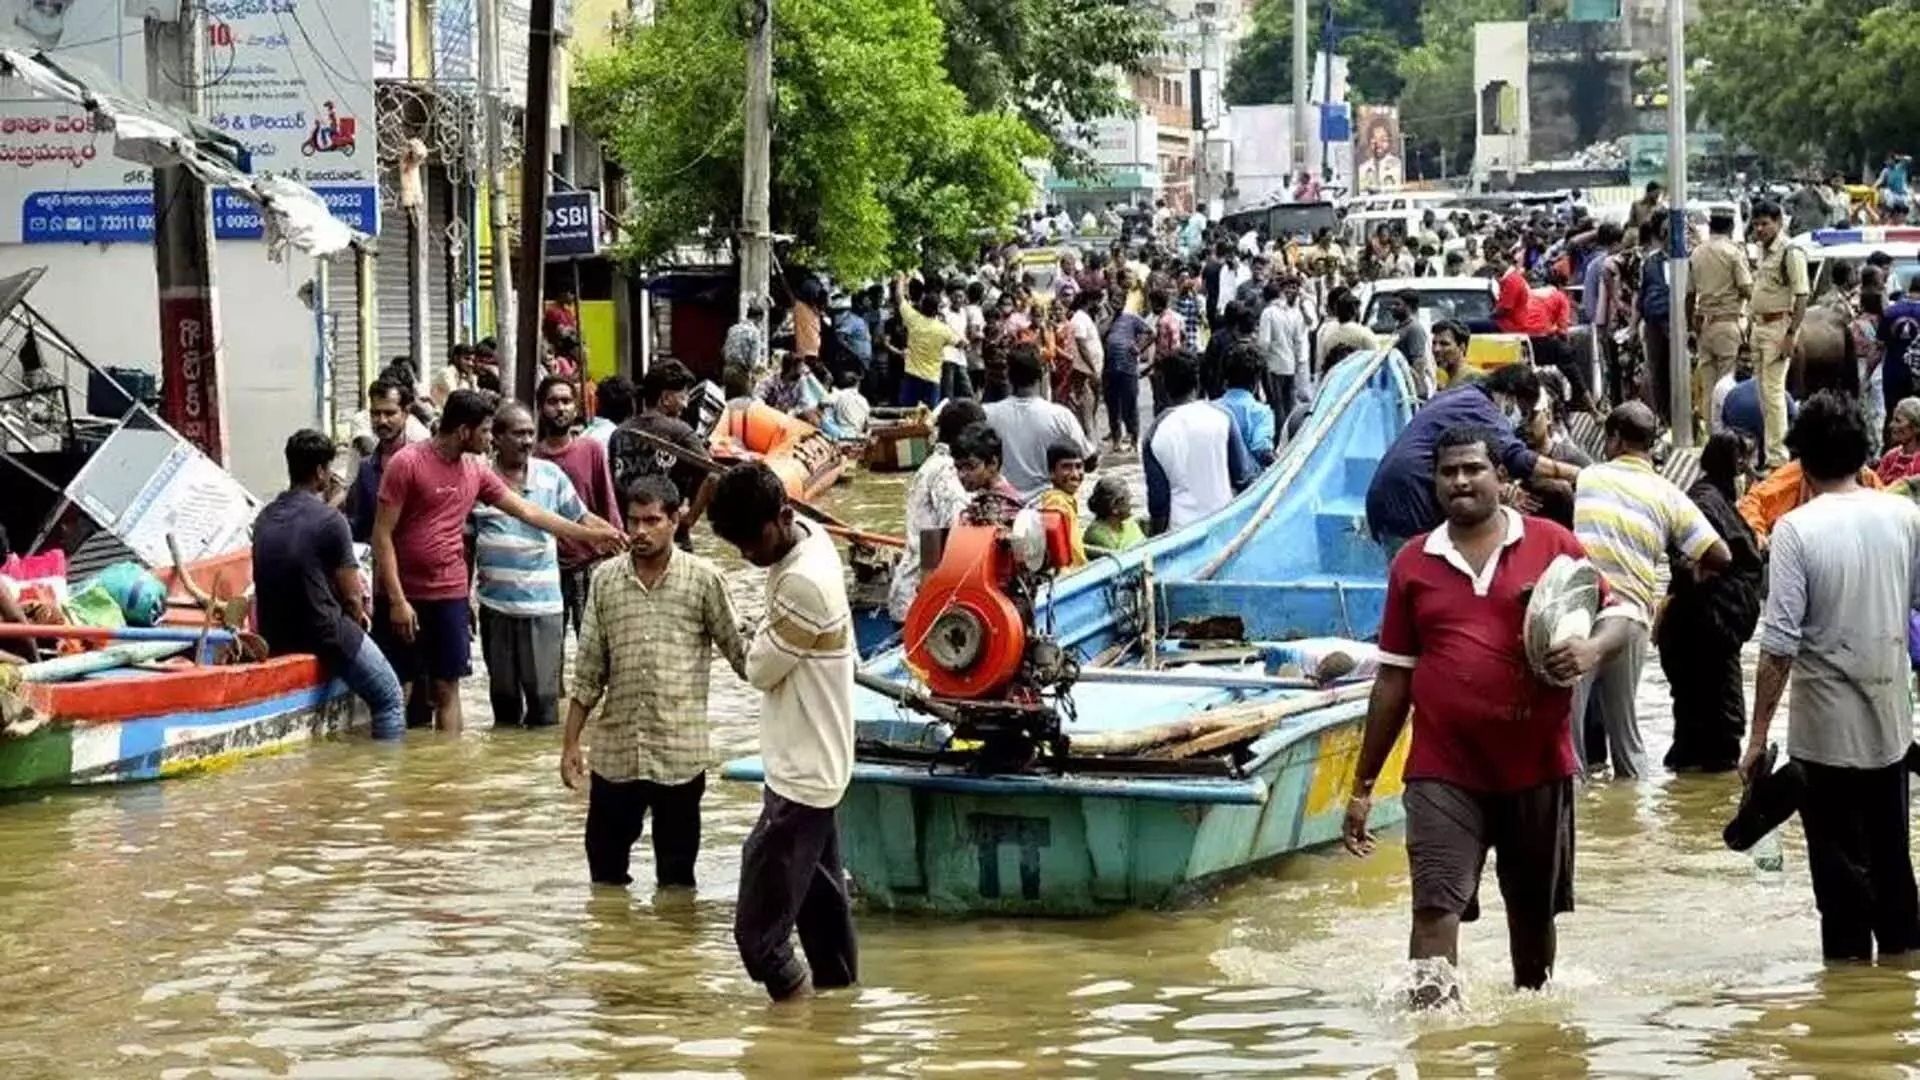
[(93, 702)]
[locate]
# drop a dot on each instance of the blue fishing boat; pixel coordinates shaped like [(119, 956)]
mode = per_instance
[(1161, 727)]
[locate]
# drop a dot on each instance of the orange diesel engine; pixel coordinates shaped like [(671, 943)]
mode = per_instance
[(971, 635)]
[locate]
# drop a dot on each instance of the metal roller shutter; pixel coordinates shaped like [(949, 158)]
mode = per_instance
[(343, 333)]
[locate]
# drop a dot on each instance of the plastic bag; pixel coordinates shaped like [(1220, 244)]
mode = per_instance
[(93, 605), (1563, 607), (141, 596)]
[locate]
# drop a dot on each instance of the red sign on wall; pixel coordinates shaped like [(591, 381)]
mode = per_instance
[(189, 370)]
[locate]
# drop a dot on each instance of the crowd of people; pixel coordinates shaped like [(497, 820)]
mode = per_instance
[(522, 527), (525, 525), (1783, 534)]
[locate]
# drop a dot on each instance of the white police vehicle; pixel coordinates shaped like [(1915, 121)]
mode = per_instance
[(1826, 248)]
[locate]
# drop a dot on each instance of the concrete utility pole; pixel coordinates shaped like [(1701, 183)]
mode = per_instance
[(756, 228), (494, 154), (534, 155), (1302, 75), (1680, 377), (190, 354)]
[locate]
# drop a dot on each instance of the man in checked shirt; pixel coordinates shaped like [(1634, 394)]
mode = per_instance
[(652, 623)]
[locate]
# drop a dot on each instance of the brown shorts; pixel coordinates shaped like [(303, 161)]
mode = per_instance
[(1450, 830)]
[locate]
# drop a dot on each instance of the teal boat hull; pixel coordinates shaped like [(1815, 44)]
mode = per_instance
[(918, 842), (1289, 559)]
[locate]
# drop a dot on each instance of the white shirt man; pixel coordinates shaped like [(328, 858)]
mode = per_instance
[(1283, 336), (1229, 286), (1190, 444), (1086, 339), (956, 320)]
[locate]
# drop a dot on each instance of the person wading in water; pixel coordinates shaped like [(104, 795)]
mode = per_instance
[(1491, 766)]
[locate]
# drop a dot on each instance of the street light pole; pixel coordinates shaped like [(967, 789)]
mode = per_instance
[(1301, 74), (1326, 92), (1680, 371)]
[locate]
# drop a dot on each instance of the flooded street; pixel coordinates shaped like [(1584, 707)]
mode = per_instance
[(355, 910)]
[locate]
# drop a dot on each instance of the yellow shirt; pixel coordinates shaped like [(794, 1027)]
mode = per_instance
[(1055, 499), (925, 338)]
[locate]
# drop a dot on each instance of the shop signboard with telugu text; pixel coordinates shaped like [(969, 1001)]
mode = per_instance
[(291, 80), (189, 392)]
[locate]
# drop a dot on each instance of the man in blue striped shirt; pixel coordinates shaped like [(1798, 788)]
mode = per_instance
[(517, 580)]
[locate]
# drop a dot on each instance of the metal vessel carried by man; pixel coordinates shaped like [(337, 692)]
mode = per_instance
[(1156, 722)]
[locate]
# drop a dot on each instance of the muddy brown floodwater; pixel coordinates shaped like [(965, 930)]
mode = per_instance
[(354, 910)]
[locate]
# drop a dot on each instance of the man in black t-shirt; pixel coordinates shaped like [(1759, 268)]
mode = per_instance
[(663, 398), (308, 586)]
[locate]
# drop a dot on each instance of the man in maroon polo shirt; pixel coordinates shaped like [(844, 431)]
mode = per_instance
[(586, 463), (1491, 766)]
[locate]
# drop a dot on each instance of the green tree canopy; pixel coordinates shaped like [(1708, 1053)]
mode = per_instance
[(1437, 106), (1371, 35), (877, 162), (1053, 62), (1799, 81)]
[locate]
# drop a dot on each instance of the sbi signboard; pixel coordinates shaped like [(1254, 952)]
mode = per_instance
[(573, 224)]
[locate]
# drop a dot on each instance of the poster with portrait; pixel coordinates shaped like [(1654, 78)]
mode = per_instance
[(1377, 161)]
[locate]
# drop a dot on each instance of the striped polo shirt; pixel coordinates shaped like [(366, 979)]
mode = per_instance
[(1627, 515), (518, 566)]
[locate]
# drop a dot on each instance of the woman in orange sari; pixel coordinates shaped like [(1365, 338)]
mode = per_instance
[(1056, 348)]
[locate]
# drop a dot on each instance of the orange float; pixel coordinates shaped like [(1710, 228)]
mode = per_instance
[(806, 461)]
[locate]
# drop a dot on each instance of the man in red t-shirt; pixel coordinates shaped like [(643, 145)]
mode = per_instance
[(585, 462), (421, 579), (1556, 310), (1513, 298), (1491, 765)]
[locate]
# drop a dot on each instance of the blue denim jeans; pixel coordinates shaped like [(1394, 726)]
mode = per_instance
[(918, 391), (371, 678)]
